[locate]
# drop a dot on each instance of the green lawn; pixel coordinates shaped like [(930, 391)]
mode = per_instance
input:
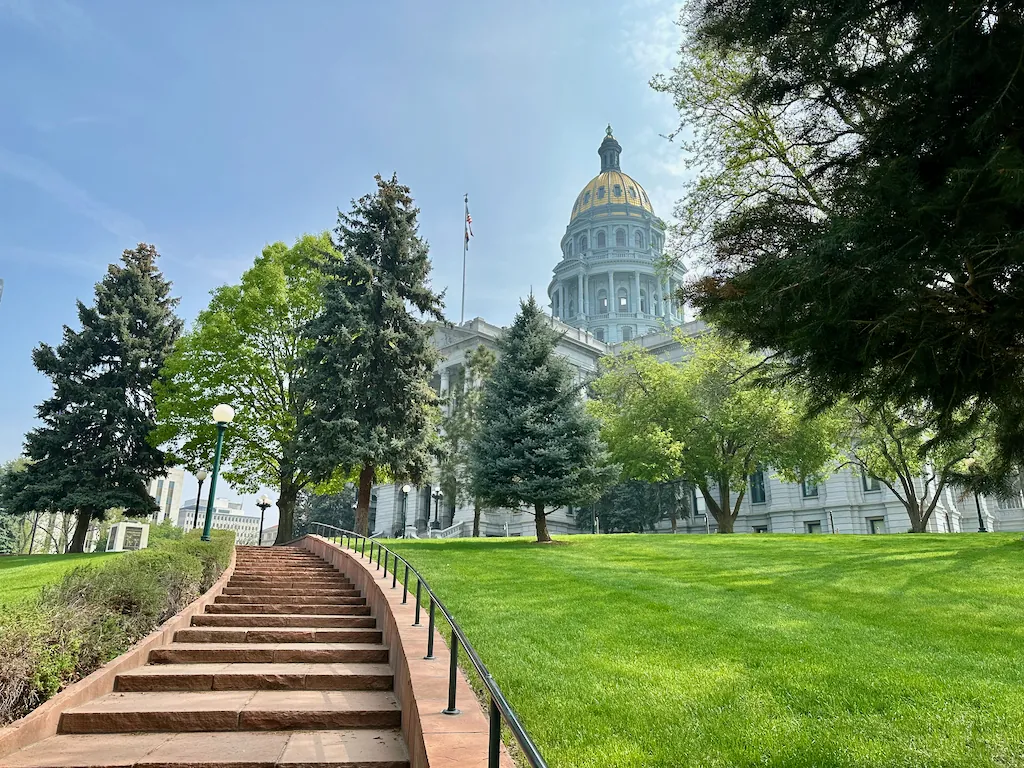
[(777, 650), (22, 576)]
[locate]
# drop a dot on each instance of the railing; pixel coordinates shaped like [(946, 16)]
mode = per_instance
[(500, 709), (452, 532)]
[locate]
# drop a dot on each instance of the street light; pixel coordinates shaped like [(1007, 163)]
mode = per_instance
[(200, 476), (263, 503), (438, 495), (222, 416), (405, 502)]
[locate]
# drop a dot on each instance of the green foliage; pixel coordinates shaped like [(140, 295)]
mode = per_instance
[(335, 509), (246, 349), (864, 213), (459, 426), (96, 612), (536, 445), (708, 422), (91, 453), (372, 410), (637, 506), (796, 651)]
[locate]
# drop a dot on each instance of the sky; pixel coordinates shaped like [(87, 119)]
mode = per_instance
[(213, 129)]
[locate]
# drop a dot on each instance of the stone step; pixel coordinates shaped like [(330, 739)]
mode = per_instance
[(293, 599), (280, 620), (276, 581), (358, 747), (249, 590), (227, 676), (277, 635), (181, 711), (319, 610), (287, 573), (270, 653)]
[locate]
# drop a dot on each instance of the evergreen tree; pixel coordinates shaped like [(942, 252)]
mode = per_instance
[(458, 427), (92, 451), (536, 445), (371, 407)]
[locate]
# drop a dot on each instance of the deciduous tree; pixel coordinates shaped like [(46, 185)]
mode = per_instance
[(372, 409), (246, 349), (536, 445)]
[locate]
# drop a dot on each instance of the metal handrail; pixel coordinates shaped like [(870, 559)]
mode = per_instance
[(500, 709)]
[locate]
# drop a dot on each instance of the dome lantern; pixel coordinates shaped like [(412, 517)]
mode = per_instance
[(609, 151)]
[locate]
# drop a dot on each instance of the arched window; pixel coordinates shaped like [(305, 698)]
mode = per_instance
[(632, 192), (620, 238), (586, 197), (602, 300), (627, 333), (601, 240), (638, 240), (617, 190), (600, 193), (572, 308), (583, 243), (623, 300), (599, 334), (643, 301)]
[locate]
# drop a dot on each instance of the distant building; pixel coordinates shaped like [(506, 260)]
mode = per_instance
[(166, 492), (269, 536), (227, 516)]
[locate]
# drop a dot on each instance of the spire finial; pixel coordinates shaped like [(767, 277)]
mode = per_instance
[(608, 130)]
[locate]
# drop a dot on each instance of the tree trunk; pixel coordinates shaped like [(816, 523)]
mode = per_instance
[(918, 522), (476, 518), (286, 512), (366, 477), (541, 518), (81, 531)]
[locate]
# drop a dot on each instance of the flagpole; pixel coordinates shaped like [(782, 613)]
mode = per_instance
[(465, 249)]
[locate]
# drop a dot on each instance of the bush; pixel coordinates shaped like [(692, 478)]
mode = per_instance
[(96, 613)]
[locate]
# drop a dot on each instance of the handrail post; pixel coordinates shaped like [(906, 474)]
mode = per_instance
[(417, 622), (494, 736), (405, 586), (394, 571), (386, 553), (453, 675), (363, 553), (378, 556), (430, 634)]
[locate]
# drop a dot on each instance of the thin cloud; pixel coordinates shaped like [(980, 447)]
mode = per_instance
[(59, 18), (42, 176)]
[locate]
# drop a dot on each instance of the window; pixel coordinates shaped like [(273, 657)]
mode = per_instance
[(583, 243), (620, 238), (623, 300), (599, 334), (572, 308), (617, 190), (586, 197), (170, 497), (568, 248), (877, 524), (601, 239), (757, 487), (602, 301), (760, 529), (870, 483), (638, 240), (600, 193), (809, 488), (159, 490), (627, 333), (812, 526), (643, 301), (632, 192)]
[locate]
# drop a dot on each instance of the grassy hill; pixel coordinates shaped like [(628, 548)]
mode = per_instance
[(790, 651), (22, 576)]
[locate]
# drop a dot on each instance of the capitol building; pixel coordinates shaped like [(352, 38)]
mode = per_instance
[(610, 287)]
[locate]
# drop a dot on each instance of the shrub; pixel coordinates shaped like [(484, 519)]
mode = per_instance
[(96, 613)]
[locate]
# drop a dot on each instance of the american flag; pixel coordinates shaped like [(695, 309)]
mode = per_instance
[(469, 227)]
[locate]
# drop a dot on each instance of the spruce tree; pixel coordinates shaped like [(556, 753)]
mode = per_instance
[(536, 445), (371, 407), (92, 451)]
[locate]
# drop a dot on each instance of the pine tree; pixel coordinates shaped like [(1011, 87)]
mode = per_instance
[(536, 445), (92, 451), (371, 407)]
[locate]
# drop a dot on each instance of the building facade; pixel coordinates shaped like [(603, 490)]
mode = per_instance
[(227, 516), (166, 492), (611, 286)]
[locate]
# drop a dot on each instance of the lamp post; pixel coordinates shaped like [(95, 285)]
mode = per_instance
[(438, 495), (222, 416), (405, 503), (200, 476), (263, 503)]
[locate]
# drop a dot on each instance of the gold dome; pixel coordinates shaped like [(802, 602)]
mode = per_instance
[(611, 187)]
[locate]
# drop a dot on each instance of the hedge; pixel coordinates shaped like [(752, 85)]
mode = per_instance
[(96, 613)]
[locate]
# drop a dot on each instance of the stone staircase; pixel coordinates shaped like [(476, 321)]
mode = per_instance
[(286, 668)]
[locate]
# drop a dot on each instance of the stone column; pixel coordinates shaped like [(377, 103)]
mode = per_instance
[(586, 294), (611, 291), (579, 293), (636, 285)]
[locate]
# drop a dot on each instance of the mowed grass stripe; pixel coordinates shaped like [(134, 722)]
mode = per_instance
[(750, 650), (23, 576)]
